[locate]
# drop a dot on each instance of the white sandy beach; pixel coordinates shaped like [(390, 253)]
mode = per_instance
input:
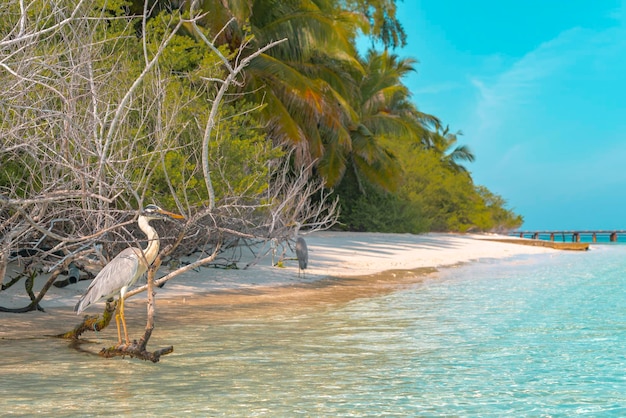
[(331, 255)]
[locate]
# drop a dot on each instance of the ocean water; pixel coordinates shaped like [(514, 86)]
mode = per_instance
[(528, 336)]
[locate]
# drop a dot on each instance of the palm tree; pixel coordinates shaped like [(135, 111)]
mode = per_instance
[(384, 109), (317, 96), (301, 82), (442, 140), (382, 22)]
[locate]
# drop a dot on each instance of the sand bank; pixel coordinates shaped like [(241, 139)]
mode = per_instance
[(342, 266)]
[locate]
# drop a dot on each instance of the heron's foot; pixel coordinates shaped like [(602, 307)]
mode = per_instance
[(128, 346), (120, 346), (134, 346)]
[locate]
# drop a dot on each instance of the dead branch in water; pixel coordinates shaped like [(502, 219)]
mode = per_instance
[(92, 323), (134, 351)]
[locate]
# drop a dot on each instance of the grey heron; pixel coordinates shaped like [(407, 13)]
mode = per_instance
[(302, 251), (124, 270)]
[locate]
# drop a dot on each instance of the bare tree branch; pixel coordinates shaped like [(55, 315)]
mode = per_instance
[(96, 121), (232, 74)]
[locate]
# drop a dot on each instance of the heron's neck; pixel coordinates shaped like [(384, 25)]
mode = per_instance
[(151, 251)]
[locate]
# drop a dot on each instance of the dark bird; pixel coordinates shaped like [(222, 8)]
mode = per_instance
[(302, 251), (124, 270)]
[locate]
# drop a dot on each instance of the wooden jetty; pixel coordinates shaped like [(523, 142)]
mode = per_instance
[(571, 236), (570, 246)]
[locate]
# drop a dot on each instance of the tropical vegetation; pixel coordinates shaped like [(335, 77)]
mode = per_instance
[(349, 115), (116, 103)]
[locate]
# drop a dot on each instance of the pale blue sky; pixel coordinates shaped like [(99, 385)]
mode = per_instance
[(539, 90)]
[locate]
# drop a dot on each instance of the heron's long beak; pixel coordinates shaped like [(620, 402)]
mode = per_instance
[(171, 214)]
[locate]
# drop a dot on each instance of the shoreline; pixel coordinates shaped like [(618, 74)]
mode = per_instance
[(343, 266)]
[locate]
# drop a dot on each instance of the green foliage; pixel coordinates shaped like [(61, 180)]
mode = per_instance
[(183, 54), (394, 168), (383, 23), (380, 211), (373, 209), (240, 157), (176, 178), (318, 92), (499, 218), (16, 176), (447, 197), (434, 195)]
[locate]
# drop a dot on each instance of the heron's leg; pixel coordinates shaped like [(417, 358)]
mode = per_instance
[(122, 318), (117, 322), (123, 321)]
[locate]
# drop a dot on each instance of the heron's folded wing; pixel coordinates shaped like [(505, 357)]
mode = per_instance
[(119, 272)]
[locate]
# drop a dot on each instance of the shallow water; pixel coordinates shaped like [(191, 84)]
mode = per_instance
[(530, 336)]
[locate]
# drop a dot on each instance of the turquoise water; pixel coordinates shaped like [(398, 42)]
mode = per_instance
[(529, 336)]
